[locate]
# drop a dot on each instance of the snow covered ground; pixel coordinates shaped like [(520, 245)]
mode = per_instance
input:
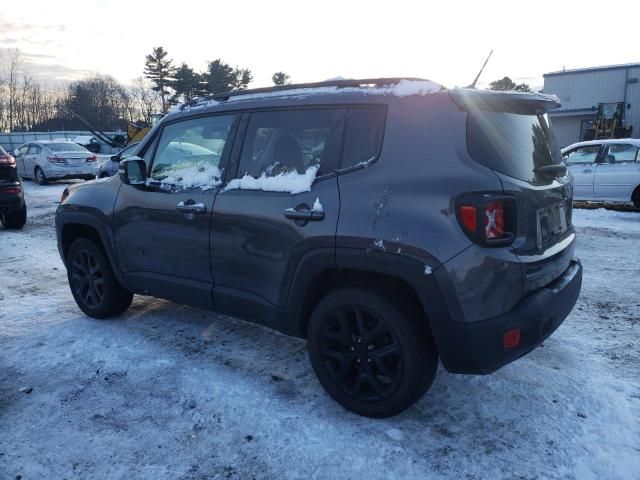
[(171, 392)]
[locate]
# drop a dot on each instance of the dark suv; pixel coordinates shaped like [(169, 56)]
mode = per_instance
[(13, 210), (390, 222)]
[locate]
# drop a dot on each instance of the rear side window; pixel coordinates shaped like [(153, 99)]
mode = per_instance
[(363, 135), (515, 144), (582, 155), (286, 141), (622, 153)]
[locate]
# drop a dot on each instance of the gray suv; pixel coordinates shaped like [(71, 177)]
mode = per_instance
[(391, 222)]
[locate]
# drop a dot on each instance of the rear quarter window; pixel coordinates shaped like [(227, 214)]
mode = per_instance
[(363, 135)]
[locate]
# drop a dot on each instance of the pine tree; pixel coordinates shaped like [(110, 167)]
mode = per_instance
[(505, 84), (186, 84), (159, 70), (280, 78), (221, 78)]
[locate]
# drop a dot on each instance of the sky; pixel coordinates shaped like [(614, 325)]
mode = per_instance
[(312, 41)]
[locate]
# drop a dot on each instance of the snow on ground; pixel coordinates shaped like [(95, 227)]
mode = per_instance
[(172, 392)]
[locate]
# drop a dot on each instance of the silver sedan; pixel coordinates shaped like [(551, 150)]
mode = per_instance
[(55, 160)]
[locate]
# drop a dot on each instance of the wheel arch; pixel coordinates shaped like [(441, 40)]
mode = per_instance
[(80, 225)]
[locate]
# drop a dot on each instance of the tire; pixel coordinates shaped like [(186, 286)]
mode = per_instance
[(40, 176), (635, 198), (104, 175), (92, 282), (371, 353), (16, 220)]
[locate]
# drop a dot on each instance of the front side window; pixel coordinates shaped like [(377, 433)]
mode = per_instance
[(621, 153), (363, 135), (127, 151), (188, 153), (582, 155), (34, 150), (291, 142)]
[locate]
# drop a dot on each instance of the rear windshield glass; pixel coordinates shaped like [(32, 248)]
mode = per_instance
[(515, 144), (66, 147)]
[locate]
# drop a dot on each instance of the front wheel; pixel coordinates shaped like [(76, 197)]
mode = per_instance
[(635, 198), (372, 354), (93, 284)]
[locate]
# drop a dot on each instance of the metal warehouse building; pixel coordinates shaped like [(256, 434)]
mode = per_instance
[(581, 90)]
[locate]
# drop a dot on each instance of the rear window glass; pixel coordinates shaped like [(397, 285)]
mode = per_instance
[(66, 147), (363, 137), (515, 144)]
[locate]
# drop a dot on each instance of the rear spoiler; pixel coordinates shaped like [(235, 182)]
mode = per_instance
[(470, 99)]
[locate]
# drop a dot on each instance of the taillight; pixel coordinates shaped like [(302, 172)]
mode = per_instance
[(56, 160), (92, 158), (11, 191), (488, 219), (65, 194), (7, 160)]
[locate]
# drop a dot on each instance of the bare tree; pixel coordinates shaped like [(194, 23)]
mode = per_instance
[(145, 101)]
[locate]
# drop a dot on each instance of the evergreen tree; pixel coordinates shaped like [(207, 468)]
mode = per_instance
[(280, 78), (506, 84), (186, 84), (159, 70), (221, 78)]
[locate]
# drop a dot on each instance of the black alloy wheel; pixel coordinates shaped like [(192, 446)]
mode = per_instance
[(88, 278), (361, 353)]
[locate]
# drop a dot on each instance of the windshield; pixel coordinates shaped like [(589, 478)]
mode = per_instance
[(516, 144), (66, 147)]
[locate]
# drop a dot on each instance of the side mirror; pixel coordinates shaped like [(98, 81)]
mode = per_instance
[(115, 158), (133, 171)]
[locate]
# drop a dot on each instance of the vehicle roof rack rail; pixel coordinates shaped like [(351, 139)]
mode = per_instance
[(342, 83)]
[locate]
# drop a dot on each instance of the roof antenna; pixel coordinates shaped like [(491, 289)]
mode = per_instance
[(475, 80)]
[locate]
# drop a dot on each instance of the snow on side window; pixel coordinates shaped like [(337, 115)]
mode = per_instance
[(189, 152), (284, 151)]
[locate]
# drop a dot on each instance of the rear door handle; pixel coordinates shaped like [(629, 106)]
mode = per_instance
[(305, 215), (191, 207)]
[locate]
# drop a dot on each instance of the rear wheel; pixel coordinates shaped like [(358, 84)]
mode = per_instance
[(15, 220), (635, 198), (370, 353), (92, 282), (40, 176)]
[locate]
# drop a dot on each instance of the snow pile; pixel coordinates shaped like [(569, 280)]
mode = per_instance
[(292, 182), (317, 206), (188, 175)]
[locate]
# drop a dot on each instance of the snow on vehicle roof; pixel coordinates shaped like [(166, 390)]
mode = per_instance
[(401, 88)]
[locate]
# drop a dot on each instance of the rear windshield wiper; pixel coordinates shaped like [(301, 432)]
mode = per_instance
[(557, 170)]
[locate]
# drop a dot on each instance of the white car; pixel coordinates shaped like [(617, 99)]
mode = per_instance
[(605, 170), (55, 160)]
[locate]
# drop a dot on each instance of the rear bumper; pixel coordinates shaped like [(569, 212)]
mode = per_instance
[(85, 171), (477, 347)]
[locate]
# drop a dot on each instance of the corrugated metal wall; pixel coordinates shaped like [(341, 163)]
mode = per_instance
[(11, 141), (585, 89)]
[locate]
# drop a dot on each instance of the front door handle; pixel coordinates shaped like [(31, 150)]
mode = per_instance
[(191, 207), (304, 214), (587, 171)]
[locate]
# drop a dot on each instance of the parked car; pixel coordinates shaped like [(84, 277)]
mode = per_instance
[(55, 160), (13, 209), (110, 167), (391, 225), (605, 170)]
